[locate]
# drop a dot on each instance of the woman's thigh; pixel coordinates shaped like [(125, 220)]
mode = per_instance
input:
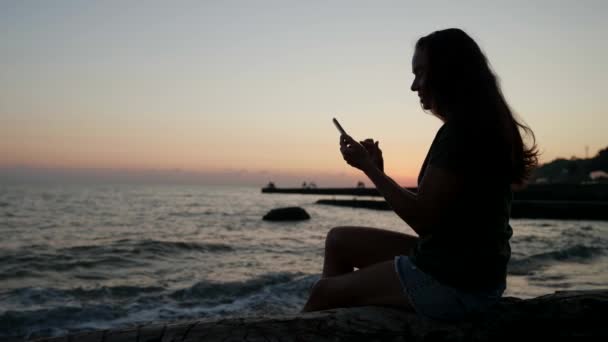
[(376, 284), (364, 246)]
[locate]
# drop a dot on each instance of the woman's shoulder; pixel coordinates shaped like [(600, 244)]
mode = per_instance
[(465, 135), (453, 136)]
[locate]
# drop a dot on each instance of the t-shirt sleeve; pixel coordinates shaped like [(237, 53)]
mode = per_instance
[(450, 150)]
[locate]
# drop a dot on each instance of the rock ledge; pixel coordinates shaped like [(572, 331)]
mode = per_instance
[(570, 314)]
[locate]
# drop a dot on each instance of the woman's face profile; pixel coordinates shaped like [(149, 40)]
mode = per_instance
[(420, 68)]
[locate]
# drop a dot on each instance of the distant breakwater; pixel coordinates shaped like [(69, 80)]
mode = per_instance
[(560, 210), (537, 201), (533, 192)]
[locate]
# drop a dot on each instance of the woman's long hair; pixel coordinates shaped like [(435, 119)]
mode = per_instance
[(464, 90)]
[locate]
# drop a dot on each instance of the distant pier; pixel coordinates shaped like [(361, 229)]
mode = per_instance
[(558, 210), (326, 191), (541, 201), (534, 192)]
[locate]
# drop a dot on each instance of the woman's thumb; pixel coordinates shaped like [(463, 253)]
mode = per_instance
[(348, 138)]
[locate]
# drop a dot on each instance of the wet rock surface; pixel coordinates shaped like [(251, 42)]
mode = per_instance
[(572, 314)]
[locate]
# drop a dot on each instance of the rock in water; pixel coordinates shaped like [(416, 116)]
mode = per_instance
[(572, 315), (287, 214)]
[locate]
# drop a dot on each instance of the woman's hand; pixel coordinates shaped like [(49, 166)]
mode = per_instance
[(375, 152), (355, 154)]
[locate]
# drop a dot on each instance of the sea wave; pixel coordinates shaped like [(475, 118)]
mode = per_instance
[(190, 214), (157, 246), (41, 296), (583, 233), (121, 253), (577, 253), (60, 262), (59, 311), (131, 246), (212, 292)]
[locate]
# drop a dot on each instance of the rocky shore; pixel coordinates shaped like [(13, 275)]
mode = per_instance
[(571, 314)]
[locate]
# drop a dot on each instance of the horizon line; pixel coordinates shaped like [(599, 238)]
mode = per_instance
[(44, 174)]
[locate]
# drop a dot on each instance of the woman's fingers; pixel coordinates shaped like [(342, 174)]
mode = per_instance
[(367, 144), (347, 138), (371, 146), (347, 146), (342, 142)]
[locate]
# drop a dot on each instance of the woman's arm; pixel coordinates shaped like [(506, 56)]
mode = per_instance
[(421, 210), (424, 209), (404, 202)]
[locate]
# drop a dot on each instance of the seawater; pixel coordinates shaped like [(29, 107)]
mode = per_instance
[(82, 257)]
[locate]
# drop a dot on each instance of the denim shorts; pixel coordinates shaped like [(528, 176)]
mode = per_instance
[(434, 300)]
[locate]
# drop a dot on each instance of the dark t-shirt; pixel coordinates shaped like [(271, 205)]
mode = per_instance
[(469, 249)]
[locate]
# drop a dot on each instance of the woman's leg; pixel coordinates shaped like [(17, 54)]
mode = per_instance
[(347, 248), (377, 284)]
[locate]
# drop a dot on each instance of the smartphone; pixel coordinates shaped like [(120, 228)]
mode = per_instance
[(339, 127)]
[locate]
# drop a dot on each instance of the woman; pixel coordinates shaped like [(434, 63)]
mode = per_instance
[(457, 265)]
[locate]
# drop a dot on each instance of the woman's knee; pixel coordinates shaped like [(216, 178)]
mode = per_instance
[(334, 240)]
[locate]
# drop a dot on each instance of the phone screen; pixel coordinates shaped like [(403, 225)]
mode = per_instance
[(339, 127)]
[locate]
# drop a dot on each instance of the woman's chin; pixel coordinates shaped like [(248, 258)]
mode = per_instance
[(424, 104)]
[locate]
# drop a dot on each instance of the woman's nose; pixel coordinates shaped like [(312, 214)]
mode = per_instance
[(414, 86)]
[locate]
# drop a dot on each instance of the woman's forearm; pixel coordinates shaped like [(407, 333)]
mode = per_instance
[(404, 202)]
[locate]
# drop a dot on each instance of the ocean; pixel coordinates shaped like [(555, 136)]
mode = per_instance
[(83, 257)]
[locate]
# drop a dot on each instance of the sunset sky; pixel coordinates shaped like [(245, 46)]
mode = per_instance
[(225, 89)]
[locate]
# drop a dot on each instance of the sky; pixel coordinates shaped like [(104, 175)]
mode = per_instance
[(244, 91)]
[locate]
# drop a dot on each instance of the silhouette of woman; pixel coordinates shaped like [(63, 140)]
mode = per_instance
[(457, 265)]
